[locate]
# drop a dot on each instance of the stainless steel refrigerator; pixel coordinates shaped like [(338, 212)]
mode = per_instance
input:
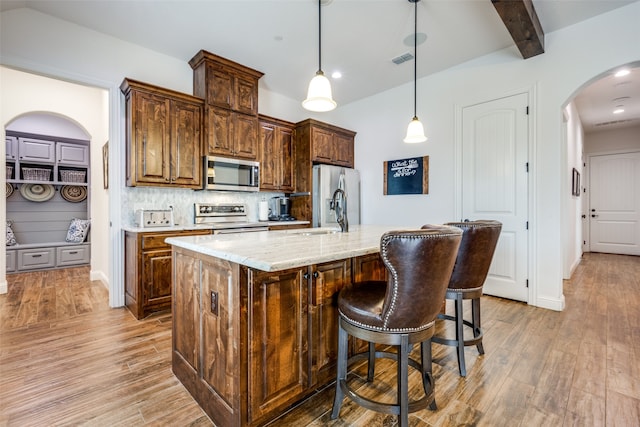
[(326, 179)]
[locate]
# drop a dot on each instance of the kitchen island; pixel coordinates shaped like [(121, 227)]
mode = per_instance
[(254, 315)]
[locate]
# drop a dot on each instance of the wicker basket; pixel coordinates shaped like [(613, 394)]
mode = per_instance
[(73, 176), (9, 171), (36, 174)]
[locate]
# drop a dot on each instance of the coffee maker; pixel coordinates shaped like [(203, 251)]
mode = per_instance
[(280, 208)]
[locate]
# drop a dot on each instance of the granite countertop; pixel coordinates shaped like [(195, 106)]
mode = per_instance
[(185, 227), (284, 249)]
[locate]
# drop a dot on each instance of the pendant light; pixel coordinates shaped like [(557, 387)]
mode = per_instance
[(415, 130), (319, 94)]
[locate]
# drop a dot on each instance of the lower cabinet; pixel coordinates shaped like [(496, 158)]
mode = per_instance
[(249, 344), (33, 257), (148, 270)]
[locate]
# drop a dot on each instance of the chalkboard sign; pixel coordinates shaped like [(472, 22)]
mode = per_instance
[(407, 176)]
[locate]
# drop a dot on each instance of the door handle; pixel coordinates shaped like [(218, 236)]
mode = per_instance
[(594, 216)]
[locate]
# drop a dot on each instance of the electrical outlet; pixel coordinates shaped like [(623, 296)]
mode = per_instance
[(214, 303)]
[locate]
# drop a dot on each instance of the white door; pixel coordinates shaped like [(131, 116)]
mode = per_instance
[(494, 186), (614, 211)]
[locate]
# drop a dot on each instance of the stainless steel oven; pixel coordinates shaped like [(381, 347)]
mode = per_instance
[(226, 218), (221, 173)]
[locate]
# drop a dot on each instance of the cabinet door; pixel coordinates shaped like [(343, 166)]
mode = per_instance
[(12, 148), (156, 279), (277, 333), (321, 145), (343, 150), (269, 157), (246, 95), (30, 150), (219, 132), (186, 149), (152, 138), (72, 154), (285, 139), (326, 281), (245, 135), (219, 87)]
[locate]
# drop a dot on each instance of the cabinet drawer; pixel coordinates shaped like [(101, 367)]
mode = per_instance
[(72, 255), (156, 241), (11, 261), (36, 258)]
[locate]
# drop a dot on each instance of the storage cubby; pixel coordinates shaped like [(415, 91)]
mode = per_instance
[(40, 226)]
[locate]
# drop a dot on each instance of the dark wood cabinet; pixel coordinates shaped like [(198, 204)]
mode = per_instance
[(317, 142), (247, 343), (230, 91), (163, 136), (325, 281), (148, 271), (277, 340), (231, 134), (327, 143), (276, 154)]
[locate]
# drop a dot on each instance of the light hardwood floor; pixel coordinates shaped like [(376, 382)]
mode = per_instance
[(67, 359)]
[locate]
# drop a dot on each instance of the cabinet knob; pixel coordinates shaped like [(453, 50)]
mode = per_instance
[(306, 276)]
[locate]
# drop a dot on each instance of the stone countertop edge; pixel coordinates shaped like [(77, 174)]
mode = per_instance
[(283, 249), (190, 227)]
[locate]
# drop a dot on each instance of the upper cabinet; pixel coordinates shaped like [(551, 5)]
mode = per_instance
[(230, 91), (12, 148), (164, 136), (325, 143), (276, 154)]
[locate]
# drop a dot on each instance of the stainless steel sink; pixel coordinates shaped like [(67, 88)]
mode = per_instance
[(313, 231)]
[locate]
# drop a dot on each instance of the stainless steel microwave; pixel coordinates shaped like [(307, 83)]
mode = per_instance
[(221, 173)]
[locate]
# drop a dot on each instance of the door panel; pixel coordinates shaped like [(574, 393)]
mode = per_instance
[(494, 186), (614, 214)]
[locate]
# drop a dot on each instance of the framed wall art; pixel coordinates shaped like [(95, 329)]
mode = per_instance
[(406, 176), (575, 183)]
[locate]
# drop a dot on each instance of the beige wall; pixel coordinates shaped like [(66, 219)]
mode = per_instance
[(23, 93)]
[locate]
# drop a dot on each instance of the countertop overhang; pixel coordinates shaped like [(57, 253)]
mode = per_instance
[(211, 226), (284, 249)]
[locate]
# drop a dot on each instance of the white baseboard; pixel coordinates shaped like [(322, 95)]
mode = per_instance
[(4, 288), (550, 303), (99, 275)]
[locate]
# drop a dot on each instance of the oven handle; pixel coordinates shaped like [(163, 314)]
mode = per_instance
[(240, 230)]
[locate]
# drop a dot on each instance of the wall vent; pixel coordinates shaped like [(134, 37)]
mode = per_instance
[(402, 58), (615, 122)]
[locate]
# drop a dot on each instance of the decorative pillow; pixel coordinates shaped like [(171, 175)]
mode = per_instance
[(11, 238), (78, 230)]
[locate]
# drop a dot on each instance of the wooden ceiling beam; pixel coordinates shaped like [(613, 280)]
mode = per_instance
[(521, 19)]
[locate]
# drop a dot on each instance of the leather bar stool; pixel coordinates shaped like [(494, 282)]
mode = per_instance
[(476, 251), (400, 311)]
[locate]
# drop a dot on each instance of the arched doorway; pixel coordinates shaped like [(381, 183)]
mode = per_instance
[(592, 130)]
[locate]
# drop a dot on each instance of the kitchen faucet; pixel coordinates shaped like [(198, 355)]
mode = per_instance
[(340, 208)]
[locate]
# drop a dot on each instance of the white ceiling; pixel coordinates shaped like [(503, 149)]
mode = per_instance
[(359, 38)]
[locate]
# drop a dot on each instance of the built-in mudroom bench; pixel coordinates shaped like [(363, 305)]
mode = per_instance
[(47, 194)]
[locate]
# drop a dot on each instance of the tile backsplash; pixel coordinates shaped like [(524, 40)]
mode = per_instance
[(182, 200)]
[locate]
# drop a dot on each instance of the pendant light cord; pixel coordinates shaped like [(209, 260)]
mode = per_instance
[(319, 38), (415, 61)]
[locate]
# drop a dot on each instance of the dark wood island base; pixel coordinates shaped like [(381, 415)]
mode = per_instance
[(249, 344)]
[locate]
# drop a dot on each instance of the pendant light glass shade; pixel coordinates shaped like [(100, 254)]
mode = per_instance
[(319, 97), (319, 94), (415, 132)]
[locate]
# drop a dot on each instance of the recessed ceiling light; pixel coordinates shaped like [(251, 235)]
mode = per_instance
[(336, 75), (618, 110), (622, 73)]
